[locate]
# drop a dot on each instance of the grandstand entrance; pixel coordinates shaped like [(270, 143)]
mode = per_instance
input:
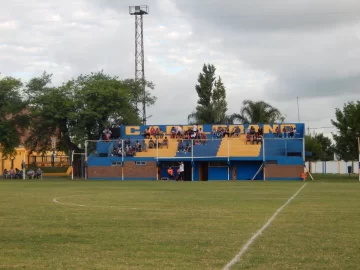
[(204, 171), (187, 171)]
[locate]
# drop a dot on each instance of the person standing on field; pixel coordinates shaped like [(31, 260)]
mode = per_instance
[(181, 168)]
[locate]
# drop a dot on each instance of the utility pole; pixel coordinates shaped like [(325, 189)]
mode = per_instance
[(139, 11)]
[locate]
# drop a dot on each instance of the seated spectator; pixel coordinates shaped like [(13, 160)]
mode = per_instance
[(165, 142), (12, 173), (252, 130), (197, 142), (119, 152), (5, 173), (130, 152), (260, 131), (161, 133), (187, 147), (151, 144), (146, 134), (173, 133), (180, 146), (31, 174), (179, 132), (157, 133), (39, 173), (284, 131), (219, 132), (127, 142), (137, 146), (114, 152), (152, 131), (249, 137), (143, 146), (226, 132)]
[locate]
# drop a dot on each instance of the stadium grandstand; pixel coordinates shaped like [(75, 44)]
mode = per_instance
[(198, 153)]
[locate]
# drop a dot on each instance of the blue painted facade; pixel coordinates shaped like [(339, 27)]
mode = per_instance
[(276, 149)]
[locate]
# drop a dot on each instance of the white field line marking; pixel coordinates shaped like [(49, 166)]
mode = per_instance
[(56, 200), (238, 256)]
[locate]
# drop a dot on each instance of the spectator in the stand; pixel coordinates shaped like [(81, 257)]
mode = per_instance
[(219, 132), (173, 132), (137, 146), (143, 146), (151, 143), (260, 131), (120, 152), (180, 146), (179, 132), (165, 142), (291, 133), (38, 173), (277, 132), (226, 132), (284, 131), (187, 147), (107, 134), (127, 142), (252, 130), (130, 152), (152, 131), (146, 133)]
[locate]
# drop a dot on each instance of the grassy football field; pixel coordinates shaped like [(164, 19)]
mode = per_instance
[(64, 224)]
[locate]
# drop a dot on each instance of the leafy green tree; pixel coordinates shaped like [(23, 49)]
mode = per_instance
[(320, 146), (257, 112), (80, 109), (212, 105), (12, 119), (347, 123)]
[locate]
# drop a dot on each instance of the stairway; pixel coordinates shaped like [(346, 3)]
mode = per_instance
[(238, 147), (162, 152)]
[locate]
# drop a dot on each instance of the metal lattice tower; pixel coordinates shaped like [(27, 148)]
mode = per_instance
[(139, 11)]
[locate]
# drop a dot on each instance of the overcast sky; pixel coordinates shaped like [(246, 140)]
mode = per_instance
[(264, 50)]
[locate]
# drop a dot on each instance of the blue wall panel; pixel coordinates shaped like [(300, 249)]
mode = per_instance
[(247, 170), (218, 173)]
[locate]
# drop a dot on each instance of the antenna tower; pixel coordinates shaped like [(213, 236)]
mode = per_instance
[(138, 12)]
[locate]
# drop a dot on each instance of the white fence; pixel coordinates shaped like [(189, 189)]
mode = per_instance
[(340, 167)]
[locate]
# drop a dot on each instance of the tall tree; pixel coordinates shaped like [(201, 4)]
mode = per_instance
[(348, 125), (12, 119), (257, 112), (320, 146), (80, 109), (212, 105)]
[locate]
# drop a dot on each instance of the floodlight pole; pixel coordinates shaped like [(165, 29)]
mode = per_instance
[(139, 11)]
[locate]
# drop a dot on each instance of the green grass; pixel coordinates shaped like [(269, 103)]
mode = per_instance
[(178, 225)]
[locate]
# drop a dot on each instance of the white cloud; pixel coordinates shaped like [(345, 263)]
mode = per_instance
[(274, 51)]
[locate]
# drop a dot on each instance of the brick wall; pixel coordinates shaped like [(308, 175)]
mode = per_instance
[(283, 171), (104, 172), (131, 170)]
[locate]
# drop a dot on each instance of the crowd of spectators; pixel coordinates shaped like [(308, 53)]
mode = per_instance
[(186, 139), (18, 174)]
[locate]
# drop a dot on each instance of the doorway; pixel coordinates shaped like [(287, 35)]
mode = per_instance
[(187, 171), (204, 171)]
